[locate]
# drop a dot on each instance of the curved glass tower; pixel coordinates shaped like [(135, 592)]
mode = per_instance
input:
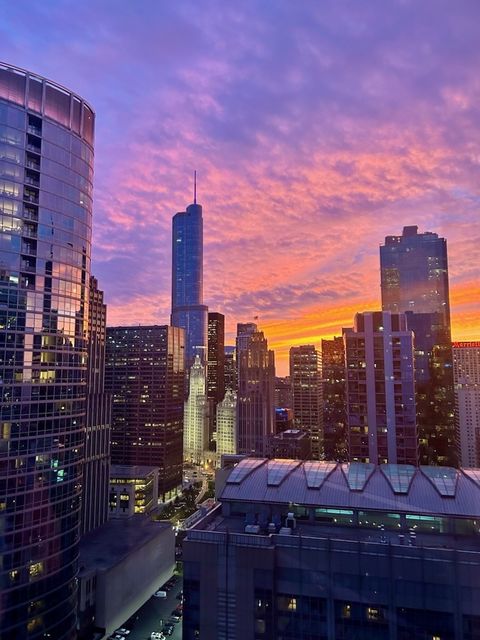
[(46, 169), (188, 310)]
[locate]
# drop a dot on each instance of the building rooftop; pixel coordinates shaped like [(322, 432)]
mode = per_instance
[(442, 491), (108, 545), (131, 471)]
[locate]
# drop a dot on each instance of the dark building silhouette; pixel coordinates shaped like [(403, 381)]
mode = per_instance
[(306, 384), (215, 366), (145, 373), (291, 443), (334, 399), (96, 465), (256, 391), (283, 392), (46, 166), (414, 280), (230, 368)]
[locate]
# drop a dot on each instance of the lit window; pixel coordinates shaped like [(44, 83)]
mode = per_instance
[(346, 611), (373, 614)]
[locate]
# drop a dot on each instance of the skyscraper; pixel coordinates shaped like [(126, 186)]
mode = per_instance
[(466, 372), (226, 424), (306, 383), (145, 373), (414, 279), (256, 395), (188, 310), (216, 357), (215, 368), (381, 389), (334, 399), (195, 433), (230, 368), (96, 464), (46, 168)]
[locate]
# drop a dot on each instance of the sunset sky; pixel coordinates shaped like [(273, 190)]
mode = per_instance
[(316, 128)]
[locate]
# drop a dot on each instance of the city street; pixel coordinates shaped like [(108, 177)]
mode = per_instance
[(154, 613)]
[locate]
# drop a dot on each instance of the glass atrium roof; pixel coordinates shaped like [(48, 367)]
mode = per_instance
[(399, 476), (444, 479), (317, 472), (278, 470), (473, 474), (243, 469), (357, 474)]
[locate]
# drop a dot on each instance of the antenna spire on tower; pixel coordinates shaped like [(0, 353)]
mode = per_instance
[(195, 187)]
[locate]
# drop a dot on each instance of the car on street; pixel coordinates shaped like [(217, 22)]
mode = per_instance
[(122, 631), (156, 635), (160, 594), (168, 629), (175, 618)]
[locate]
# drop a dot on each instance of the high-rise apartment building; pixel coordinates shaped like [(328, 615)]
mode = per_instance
[(96, 464), (334, 399), (195, 433), (46, 169), (414, 280), (226, 424), (188, 310), (306, 384), (216, 357), (215, 369), (230, 368), (145, 373), (466, 373), (256, 395), (381, 389)]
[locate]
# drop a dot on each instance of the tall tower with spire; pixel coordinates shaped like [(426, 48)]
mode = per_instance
[(188, 310)]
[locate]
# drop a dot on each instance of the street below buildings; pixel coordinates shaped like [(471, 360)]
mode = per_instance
[(155, 613)]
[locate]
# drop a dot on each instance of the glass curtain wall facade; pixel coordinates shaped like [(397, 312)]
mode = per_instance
[(188, 310), (46, 171), (334, 399), (414, 280)]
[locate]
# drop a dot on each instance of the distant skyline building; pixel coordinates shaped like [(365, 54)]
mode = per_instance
[(145, 373), (380, 389), (414, 280), (230, 368), (215, 367), (244, 332), (195, 434), (334, 399), (256, 393), (283, 393), (188, 310), (226, 424), (46, 170), (466, 373), (306, 385), (96, 468)]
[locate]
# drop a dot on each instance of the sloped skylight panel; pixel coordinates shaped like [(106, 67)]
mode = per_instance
[(357, 474), (444, 479), (243, 469), (399, 476), (317, 472), (278, 470)]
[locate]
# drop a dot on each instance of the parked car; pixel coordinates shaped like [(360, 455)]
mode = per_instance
[(175, 618), (156, 635), (160, 594), (180, 595), (168, 629), (122, 631)]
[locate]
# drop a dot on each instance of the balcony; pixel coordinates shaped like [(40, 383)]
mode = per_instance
[(33, 164), (35, 130), (34, 182)]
